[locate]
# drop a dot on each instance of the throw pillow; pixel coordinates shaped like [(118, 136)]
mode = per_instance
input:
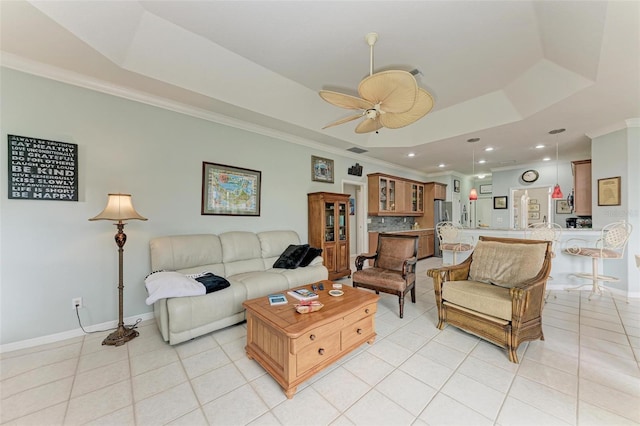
[(311, 254), (213, 282), (292, 256)]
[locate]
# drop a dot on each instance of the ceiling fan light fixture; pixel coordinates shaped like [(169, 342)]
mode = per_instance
[(390, 99)]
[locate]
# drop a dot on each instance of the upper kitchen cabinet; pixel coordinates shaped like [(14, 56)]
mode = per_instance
[(439, 191), (582, 187), (394, 196)]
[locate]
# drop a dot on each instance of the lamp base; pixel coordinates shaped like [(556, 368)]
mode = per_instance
[(121, 336)]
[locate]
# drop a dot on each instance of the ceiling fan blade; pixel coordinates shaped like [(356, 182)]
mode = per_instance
[(342, 121), (369, 125), (345, 101), (395, 91), (423, 105)]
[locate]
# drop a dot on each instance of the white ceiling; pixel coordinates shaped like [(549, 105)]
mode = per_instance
[(506, 72)]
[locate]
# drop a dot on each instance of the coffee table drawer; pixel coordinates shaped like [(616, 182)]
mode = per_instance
[(314, 335), (358, 332), (364, 311), (317, 352)]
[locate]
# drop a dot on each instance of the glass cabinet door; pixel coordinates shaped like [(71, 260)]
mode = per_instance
[(329, 218), (383, 194), (392, 194), (342, 221)]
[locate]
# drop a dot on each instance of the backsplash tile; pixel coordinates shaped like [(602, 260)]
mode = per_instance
[(391, 223)]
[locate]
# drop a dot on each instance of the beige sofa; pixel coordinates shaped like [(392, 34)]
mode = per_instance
[(497, 293), (245, 259)]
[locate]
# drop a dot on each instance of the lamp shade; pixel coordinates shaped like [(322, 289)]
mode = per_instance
[(473, 194), (119, 207), (557, 192)]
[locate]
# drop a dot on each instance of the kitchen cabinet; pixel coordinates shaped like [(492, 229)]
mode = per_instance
[(329, 230), (439, 191), (582, 187), (394, 196)]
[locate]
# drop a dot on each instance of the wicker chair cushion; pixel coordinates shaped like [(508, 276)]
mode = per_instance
[(385, 278), (456, 246), (506, 265), (479, 296)]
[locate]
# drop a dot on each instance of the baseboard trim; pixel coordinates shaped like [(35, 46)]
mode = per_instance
[(57, 337)]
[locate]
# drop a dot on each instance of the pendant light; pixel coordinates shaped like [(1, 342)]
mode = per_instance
[(557, 192), (473, 194)]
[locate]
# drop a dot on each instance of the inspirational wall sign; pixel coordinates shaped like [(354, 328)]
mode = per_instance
[(41, 169)]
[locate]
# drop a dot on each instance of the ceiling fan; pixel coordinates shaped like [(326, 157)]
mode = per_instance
[(390, 99)]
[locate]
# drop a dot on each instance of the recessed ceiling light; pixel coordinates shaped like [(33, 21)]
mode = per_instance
[(539, 146), (411, 154), (482, 161), (481, 176), (546, 159), (441, 165), (488, 149)]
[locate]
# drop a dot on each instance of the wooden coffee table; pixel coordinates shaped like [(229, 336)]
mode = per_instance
[(292, 347)]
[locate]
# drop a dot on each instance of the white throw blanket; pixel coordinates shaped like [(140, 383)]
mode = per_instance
[(161, 285)]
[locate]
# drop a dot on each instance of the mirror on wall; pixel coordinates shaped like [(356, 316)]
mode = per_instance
[(529, 206)]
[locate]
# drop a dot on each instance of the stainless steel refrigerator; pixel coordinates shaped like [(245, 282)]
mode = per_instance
[(441, 213)]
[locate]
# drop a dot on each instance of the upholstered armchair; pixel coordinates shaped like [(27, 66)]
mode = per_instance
[(394, 267), (497, 293)]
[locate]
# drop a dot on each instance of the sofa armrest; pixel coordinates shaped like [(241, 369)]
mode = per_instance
[(361, 258)]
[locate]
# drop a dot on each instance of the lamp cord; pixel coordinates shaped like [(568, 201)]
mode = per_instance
[(131, 327)]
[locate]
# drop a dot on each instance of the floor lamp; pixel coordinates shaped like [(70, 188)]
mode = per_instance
[(119, 208)]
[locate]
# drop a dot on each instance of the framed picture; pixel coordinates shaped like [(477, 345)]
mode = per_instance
[(534, 215), (534, 207), (456, 185), (562, 207), (321, 169), (609, 191), (533, 201), (500, 203), (231, 191), (486, 189)]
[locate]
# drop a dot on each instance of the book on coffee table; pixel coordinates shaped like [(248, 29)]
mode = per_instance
[(303, 294), (277, 299)]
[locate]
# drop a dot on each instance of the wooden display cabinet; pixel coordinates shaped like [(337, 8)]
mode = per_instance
[(582, 187), (329, 230)]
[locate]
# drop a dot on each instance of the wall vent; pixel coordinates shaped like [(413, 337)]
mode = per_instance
[(357, 150)]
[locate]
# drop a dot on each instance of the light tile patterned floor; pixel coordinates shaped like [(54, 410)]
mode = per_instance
[(585, 373)]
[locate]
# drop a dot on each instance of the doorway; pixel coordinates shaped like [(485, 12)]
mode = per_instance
[(530, 206), (357, 215)]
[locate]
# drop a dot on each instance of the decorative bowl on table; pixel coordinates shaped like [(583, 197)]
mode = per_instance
[(310, 306)]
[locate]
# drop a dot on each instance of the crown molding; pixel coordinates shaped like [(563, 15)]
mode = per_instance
[(626, 124), (19, 63)]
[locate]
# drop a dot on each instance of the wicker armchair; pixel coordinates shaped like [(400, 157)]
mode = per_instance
[(497, 293)]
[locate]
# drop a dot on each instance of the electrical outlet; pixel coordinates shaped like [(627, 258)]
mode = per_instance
[(383, 220), (76, 301), (405, 220)]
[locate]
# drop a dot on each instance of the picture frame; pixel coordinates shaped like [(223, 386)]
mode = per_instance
[(321, 169), (533, 207), (230, 191), (486, 188), (533, 201), (563, 207), (609, 191), (456, 185), (534, 215), (500, 203)]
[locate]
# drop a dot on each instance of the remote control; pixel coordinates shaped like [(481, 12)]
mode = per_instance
[(313, 287), (321, 286)]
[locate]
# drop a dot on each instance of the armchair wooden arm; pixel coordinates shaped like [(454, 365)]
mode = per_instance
[(360, 259)]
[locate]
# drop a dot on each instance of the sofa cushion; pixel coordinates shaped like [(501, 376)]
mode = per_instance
[(185, 251), (506, 265), (273, 243), (479, 296), (241, 253), (311, 254), (292, 256)]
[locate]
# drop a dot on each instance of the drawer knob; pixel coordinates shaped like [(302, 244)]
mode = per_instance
[(312, 337), (366, 311), (359, 331), (321, 351)]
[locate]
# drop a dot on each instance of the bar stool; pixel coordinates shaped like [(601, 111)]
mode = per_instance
[(611, 245), (545, 232), (452, 239)]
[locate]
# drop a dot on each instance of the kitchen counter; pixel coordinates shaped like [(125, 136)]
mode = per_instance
[(396, 231)]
